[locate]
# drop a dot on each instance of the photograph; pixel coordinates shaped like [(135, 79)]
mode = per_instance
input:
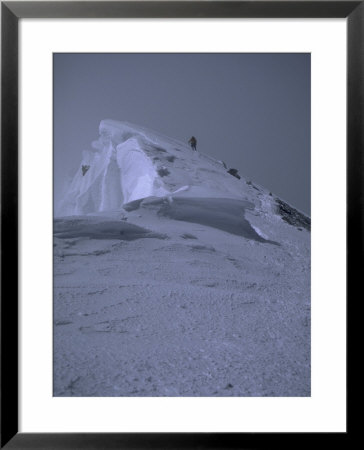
[(181, 224)]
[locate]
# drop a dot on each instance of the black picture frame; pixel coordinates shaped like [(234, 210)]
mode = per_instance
[(11, 12)]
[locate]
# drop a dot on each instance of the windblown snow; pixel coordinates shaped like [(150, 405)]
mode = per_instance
[(174, 277), (128, 162)]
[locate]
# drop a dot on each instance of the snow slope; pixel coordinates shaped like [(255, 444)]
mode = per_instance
[(128, 162), (174, 278)]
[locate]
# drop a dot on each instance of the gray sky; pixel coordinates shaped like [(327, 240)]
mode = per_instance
[(250, 110)]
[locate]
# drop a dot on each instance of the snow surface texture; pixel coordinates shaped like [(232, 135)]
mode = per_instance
[(174, 278)]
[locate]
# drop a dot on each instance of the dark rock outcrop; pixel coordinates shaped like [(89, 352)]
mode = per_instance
[(234, 173), (292, 216)]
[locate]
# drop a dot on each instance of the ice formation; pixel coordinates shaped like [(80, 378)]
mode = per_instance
[(129, 162)]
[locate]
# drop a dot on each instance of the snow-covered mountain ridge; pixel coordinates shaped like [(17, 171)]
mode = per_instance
[(129, 163), (173, 277)]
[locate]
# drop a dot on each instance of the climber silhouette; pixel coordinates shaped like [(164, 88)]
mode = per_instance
[(193, 143)]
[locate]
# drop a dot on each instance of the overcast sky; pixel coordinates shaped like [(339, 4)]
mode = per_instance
[(250, 110)]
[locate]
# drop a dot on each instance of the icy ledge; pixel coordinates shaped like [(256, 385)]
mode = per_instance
[(128, 162)]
